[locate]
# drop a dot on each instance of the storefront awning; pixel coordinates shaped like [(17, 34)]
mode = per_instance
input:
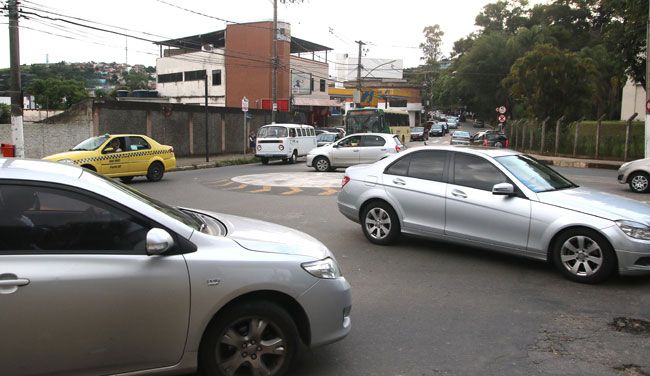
[(316, 102)]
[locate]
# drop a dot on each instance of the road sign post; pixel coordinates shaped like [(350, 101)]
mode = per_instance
[(244, 108)]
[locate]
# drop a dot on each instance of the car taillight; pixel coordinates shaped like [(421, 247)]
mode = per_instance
[(507, 143), (398, 148), (346, 180), (485, 142)]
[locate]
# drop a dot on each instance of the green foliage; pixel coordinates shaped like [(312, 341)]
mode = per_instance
[(5, 113), (544, 81), (54, 93), (431, 48), (137, 80)]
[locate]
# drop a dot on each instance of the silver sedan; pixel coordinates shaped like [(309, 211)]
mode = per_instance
[(96, 278), (500, 200)]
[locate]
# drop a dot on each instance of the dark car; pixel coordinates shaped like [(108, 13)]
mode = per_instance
[(419, 134), (479, 124), (325, 138), (493, 139), (437, 130)]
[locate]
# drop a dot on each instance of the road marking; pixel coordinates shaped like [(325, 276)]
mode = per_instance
[(266, 188), (328, 192), (227, 183), (293, 191), (241, 186)]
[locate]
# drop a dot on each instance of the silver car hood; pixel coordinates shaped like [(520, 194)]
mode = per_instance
[(601, 204), (260, 236)]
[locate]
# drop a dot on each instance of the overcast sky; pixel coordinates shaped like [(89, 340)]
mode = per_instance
[(392, 29)]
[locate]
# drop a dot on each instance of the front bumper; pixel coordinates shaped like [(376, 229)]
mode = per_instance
[(328, 304), (633, 254), (310, 159)]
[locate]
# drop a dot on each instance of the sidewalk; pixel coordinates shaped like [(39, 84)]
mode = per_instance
[(577, 162)]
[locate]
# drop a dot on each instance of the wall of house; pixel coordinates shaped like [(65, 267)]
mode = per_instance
[(633, 100), (249, 52), (307, 68), (193, 92)]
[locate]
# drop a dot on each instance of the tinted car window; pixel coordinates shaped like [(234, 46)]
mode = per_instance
[(476, 172), (42, 219), (351, 141), (400, 167), (138, 143), (429, 165), (372, 141)]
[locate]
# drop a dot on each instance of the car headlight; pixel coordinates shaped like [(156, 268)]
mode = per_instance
[(624, 165), (66, 161), (326, 268), (634, 229)]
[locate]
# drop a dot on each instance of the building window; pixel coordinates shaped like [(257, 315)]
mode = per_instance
[(196, 75), (397, 102), (170, 77), (322, 86), (216, 77), (311, 85)]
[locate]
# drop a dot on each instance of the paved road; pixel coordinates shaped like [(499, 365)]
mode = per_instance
[(430, 308)]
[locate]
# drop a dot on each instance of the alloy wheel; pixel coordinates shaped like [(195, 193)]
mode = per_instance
[(581, 256), (378, 223), (639, 183)]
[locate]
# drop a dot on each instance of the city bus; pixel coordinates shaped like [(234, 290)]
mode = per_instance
[(377, 120)]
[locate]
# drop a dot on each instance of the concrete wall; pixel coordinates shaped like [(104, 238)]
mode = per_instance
[(318, 71), (633, 100)]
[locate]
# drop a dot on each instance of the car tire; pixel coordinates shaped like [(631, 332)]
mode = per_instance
[(639, 182), (265, 160), (155, 171), (584, 256), (126, 179), (322, 164), (230, 342), (380, 223), (293, 158)]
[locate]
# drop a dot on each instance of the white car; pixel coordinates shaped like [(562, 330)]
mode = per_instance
[(354, 149), (636, 174)]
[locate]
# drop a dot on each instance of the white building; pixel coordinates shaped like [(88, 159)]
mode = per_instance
[(633, 100)]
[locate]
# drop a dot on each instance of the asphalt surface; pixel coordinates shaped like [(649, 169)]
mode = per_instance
[(422, 307)]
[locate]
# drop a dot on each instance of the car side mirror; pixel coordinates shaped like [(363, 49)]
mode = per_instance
[(158, 241), (503, 189), (336, 146)]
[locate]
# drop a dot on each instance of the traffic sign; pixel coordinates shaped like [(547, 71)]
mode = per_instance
[(502, 118), (501, 110), (244, 104)]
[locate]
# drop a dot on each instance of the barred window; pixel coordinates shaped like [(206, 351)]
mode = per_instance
[(170, 77), (197, 75)]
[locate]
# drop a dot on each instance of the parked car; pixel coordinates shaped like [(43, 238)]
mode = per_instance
[(123, 156), (97, 278), (493, 139), (354, 149), (455, 194), (636, 174), (419, 134), (339, 130), (326, 138), (452, 122), (478, 123), (459, 138), (437, 130)]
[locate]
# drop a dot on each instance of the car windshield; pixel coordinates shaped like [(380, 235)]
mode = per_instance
[(326, 137), (272, 132), (186, 217), (534, 175), (92, 143), (436, 126), (417, 130), (461, 134)]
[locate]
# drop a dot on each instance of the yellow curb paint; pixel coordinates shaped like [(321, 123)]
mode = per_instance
[(266, 188), (293, 191), (328, 192), (241, 186)]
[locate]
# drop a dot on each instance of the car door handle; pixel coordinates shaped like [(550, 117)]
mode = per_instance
[(399, 182), (457, 193), (14, 282)]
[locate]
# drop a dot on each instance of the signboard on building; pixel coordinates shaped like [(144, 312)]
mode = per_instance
[(284, 32), (300, 83), (244, 104)]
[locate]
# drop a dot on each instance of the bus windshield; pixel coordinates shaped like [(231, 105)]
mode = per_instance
[(272, 132), (364, 121)]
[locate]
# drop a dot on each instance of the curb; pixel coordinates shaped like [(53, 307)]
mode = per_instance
[(581, 164), (217, 164)]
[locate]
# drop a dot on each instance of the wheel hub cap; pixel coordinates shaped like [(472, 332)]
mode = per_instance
[(581, 256)]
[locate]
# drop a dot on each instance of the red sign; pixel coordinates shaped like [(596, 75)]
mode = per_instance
[(502, 118), (647, 107)]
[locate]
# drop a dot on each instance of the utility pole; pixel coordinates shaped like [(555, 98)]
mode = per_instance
[(358, 94), (647, 89), (16, 88), (274, 78)]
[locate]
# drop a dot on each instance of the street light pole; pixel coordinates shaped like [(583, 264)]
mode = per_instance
[(17, 137), (358, 94), (647, 89), (274, 78)]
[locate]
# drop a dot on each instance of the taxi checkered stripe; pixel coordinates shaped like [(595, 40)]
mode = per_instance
[(122, 155)]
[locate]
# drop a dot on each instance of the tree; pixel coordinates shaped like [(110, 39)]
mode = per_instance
[(136, 80), (552, 82), (431, 48), (504, 15), (54, 93), (5, 113)]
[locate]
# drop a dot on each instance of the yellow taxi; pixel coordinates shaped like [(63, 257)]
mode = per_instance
[(121, 156)]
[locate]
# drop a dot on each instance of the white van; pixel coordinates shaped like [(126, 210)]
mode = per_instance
[(284, 141)]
